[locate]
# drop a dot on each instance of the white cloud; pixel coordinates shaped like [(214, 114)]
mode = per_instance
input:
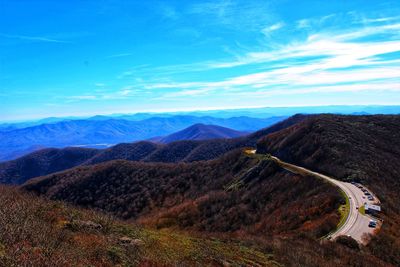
[(33, 38), (124, 93), (246, 16), (120, 55), (303, 23), (272, 28), (83, 97), (184, 93), (382, 86), (326, 61)]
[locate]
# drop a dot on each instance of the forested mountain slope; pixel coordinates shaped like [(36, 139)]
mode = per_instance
[(232, 193), (360, 148), (43, 162), (200, 132), (235, 196), (185, 151)]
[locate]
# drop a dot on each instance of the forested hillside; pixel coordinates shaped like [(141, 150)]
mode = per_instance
[(235, 196), (200, 131), (361, 148), (233, 193), (248, 198), (42, 162)]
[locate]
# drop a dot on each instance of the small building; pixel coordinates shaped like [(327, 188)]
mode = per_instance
[(372, 209)]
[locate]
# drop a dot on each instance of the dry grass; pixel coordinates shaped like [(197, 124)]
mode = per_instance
[(38, 232)]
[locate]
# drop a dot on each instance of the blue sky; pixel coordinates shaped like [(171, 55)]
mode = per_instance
[(60, 58)]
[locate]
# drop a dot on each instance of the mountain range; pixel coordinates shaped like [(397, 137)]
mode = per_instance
[(230, 193), (199, 132), (262, 112), (214, 188), (100, 132), (46, 161)]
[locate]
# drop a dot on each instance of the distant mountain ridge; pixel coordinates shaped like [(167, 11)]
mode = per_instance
[(18, 141), (262, 112), (41, 162), (199, 131), (91, 132)]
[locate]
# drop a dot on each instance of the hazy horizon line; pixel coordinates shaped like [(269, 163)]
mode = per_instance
[(171, 111)]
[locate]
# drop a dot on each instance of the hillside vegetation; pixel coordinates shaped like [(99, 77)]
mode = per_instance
[(200, 132), (41, 162), (235, 196), (361, 148), (38, 232), (249, 199), (230, 194)]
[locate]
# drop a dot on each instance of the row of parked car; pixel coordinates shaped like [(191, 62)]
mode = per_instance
[(372, 223), (366, 193)]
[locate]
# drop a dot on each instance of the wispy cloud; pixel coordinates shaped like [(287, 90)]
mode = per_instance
[(308, 23), (303, 23), (134, 71), (321, 60), (272, 28), (123, 93), (326, 61), (338, 88), (83, 97), (120, 55), (168, 11), (33, 38), (338, 46), (248, 16)]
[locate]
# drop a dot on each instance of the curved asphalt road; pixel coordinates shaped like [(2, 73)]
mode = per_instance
[(356, 224)]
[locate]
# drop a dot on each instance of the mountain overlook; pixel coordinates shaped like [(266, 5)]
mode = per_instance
[(200, 132)]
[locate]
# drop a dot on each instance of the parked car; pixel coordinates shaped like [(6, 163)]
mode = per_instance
[(370, 198), (372, 224)]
